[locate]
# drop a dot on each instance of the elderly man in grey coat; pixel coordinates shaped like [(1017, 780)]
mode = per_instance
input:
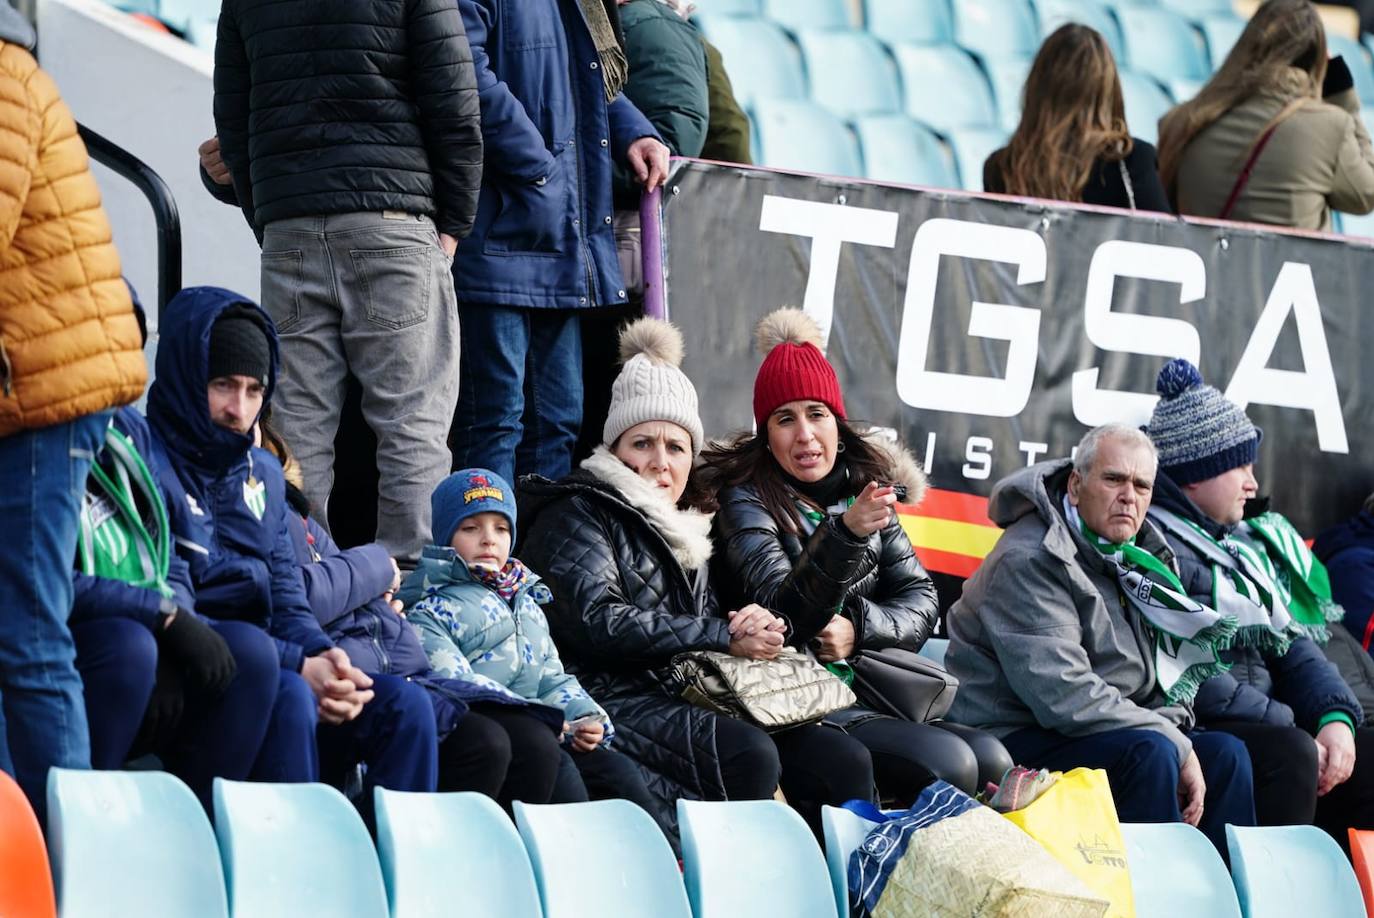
[(1077, 646)]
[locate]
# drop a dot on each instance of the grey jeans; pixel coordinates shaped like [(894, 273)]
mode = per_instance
[(370, 294)]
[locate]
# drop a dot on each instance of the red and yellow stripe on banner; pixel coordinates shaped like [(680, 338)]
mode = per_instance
[(950, 531)]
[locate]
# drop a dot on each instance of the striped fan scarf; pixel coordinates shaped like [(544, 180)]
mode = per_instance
[(1272, 603), (507, 581), (1188, 636)]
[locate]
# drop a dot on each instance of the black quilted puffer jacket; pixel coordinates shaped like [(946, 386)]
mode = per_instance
[(623, 606), (876, 581), (352, 105)]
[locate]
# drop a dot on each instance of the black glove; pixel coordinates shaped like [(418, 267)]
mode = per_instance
[(165, 707), (201, 654)]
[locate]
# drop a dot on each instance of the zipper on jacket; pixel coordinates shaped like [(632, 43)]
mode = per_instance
[(6, 371), (592, 298), (374, 633)]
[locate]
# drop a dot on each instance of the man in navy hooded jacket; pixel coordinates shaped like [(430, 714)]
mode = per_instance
[(216, 365)]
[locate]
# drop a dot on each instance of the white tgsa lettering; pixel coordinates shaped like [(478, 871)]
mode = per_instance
[(1019, 325), (1123, 333), (978, 458), (829, 226), (1313, 389)]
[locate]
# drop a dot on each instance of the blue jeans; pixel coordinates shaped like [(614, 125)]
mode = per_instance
[(44, 476), (1142, 768), (520, 394)]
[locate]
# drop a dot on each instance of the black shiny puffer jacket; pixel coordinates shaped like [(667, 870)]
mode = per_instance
[(623, 606), (875, 582), (353, 105)]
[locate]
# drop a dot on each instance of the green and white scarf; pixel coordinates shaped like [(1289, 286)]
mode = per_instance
[(1188, 636), (1303, 578), (115, 541), (1274, 602)]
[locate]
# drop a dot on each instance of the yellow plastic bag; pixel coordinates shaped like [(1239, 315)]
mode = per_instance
[(1075, 820)]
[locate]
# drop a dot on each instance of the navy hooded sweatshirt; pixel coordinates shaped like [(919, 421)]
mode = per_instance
[(226, 498)]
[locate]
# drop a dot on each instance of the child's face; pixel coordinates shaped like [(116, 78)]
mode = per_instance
[(483, 539)]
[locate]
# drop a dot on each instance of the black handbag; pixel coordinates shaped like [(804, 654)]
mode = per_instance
[(903, 684)]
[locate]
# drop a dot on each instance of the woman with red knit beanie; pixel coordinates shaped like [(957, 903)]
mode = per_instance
[(807, 528)]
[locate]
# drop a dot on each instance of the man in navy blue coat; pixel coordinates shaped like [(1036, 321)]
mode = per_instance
[(216, 365), (542, 247)]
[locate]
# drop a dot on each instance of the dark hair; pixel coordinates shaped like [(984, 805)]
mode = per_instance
[(746, 459), (272, 441)]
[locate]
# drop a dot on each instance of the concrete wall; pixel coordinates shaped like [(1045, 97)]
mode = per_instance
[(150, 93)]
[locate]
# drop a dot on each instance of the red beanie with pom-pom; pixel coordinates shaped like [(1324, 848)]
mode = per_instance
[(794, 369)]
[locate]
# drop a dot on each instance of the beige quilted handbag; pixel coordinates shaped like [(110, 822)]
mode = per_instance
[(774, 694)]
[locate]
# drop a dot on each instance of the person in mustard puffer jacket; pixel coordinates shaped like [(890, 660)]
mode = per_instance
[(69, 352)]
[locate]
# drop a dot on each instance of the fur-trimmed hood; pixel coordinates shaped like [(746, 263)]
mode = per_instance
[(687, 532), (905, 471)]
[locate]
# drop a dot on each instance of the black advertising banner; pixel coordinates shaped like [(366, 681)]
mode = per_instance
[(991, 333)]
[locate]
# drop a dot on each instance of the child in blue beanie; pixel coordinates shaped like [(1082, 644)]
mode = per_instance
[(477, 611)]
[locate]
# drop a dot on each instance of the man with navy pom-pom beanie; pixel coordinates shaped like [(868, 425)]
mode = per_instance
[(1299, 720)]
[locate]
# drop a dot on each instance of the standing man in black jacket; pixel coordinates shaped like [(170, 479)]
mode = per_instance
[(352, 133)]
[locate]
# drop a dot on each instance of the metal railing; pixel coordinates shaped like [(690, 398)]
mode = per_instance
[(125, 164)]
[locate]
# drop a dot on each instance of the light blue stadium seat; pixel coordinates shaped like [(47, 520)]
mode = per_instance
[(762, 61), (1354, 224), (131, 843), (603, 858), (917, 22), (452, 854), (809, 14), (1163, 44), (897, 149), (291, 850), (996, 27), (946, 88), (1146, 102), (1183, 90), (844, 832), (804, 137), (179, 14), (1007, 78), (1196, 9), (1221, 32), (1287, 871), (972, 146), (754, 858), (202, 33), (854, 74), (935, 648), (1054, 13), (1175, 871), (730, 7), (1358, 60)]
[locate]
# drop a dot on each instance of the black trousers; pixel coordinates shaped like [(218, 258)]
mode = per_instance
[(1284, 762), (503, 752), (814, 765), (908, 756), (1285, 765)]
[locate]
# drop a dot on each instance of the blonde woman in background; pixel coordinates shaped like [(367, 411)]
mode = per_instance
[(1275, 136)]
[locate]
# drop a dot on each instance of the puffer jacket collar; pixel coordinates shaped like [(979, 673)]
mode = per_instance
[(687, 532), (1170, 496), (178, 409)]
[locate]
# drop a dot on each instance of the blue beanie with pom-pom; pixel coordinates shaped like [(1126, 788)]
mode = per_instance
[(1199, 434)]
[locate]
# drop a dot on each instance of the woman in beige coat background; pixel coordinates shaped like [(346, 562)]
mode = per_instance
[(1276, 93)]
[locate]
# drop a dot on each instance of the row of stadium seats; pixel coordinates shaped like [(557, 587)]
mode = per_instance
[(920, 91), (138, 843)]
